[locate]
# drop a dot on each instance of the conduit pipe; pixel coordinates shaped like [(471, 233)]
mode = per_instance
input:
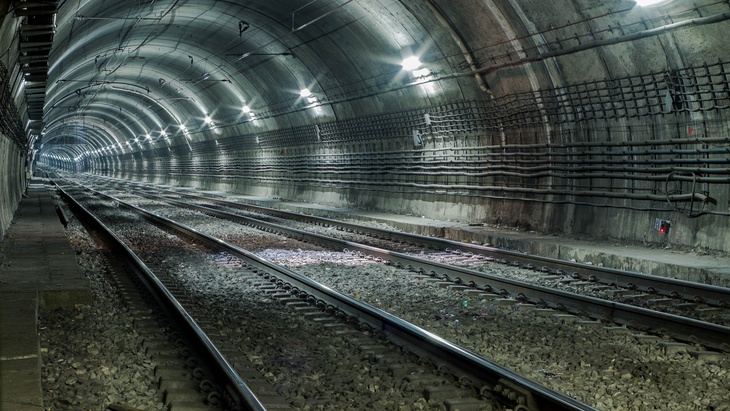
[(717, 18), (671, 141), (316, 19), (557, 172), (450, 160), (521, 164), (517, 190), (436, 10), (697, 151), (623, 173), (575, 172)]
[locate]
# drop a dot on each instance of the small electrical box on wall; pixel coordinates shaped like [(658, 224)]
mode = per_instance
[(417, 140), (662, 226)]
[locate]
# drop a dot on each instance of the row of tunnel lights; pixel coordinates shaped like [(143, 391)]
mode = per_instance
[(412, 64), (208, 120)]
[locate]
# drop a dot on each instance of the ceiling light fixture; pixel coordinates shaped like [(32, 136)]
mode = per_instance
[(246, 109), (644, 3), (208, 120), (305, 92), (421, 72), (410, 63)]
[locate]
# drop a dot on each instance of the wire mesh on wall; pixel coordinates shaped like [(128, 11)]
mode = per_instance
[(690, 90), (10, 124), (662, 155), (695, 89), (632, 168)]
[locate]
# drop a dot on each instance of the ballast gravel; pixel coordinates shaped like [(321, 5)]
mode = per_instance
[(91, 354), (608, 370)]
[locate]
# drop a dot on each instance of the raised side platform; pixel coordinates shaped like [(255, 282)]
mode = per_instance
[(38, 270), (665, 262)]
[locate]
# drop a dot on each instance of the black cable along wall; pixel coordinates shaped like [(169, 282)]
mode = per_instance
[(652, 142), (10, 124)]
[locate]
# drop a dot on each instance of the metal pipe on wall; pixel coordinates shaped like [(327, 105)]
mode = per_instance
[(717, 18), (460, 42)]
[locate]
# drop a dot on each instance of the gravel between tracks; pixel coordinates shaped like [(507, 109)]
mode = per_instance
[(315, 367), (609, 371), (92, 356)]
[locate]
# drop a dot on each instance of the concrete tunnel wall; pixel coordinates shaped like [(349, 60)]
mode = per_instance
[(12, 181), (579, 116), (13, 152), (390, 174)]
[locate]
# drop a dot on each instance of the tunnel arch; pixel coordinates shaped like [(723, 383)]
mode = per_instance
[(561, 116)]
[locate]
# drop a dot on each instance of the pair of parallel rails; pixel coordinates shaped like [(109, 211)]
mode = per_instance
[(407, 335)]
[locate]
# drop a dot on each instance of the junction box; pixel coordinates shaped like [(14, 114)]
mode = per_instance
[(662, 226)]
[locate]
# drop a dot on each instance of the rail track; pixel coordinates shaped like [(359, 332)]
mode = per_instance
[(642, 314), (640, 284), (471, 380), (192, 372)]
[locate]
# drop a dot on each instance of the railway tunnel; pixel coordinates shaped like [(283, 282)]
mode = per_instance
[(576, 117), (522, 124)]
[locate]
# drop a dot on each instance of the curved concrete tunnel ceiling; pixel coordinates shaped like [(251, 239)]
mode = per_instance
[(143, 68), (138, 71)]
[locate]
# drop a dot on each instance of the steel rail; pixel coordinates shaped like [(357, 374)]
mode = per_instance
[(398, 331), (237, 393), (689, 330), (664, 286)]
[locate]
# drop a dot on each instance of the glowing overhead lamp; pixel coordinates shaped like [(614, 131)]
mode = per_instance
[(644, 3), (411, 63), (208, 120), (246, 109), (305, 92), (421, 72)]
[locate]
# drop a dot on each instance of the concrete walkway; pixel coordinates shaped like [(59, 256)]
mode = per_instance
[(38, 271)]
